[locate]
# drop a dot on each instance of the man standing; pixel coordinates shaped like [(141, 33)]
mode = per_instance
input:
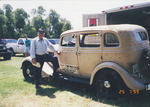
[(39, 54), (27, 44)]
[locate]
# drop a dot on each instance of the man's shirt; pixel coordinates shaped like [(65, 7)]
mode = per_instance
[(39, 47), (27, 43)]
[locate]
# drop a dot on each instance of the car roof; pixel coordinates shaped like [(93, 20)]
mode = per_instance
[(119, 27), (8, 39)]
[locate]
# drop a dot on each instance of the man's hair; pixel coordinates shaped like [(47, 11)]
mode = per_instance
[(25, 35)]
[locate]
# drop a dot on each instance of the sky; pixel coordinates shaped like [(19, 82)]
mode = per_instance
[(72, 10)]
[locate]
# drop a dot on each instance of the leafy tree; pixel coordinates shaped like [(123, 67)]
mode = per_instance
[(33, 12), (2, 24), (66, 25), (41, 11), (20, 16), (1, 12), (38, 22), (57, 25), (10, 24)]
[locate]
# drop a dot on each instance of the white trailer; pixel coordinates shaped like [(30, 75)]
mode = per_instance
[(133, 14)]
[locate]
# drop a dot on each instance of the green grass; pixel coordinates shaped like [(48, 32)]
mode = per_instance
[(16, 92)]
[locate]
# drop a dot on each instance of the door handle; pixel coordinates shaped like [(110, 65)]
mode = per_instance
[(78, 53)]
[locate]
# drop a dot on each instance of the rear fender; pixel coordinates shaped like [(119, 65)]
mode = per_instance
[(131, 82)]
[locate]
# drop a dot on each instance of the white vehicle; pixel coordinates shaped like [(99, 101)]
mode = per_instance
[(18, 47), (133, 14), (55, 43)]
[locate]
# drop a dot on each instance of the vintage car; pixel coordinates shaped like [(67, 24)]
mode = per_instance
[(110, 57)]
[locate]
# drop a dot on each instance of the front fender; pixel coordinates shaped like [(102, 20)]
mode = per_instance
[(27, 59), (131, 82)]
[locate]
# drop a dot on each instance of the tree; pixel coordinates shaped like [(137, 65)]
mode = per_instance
[(41, 11), (2, 24), (38, 22), (20, 16), (10, 24), (57, 24), (66, 25)]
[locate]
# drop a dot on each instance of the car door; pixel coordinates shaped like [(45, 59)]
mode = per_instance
[(89, 52), (20, 46), (68, 58)]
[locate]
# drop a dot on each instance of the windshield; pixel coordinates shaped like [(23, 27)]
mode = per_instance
[(2, 41), (11, 41)]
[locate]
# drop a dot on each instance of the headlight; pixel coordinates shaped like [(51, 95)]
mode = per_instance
[(4, 48)]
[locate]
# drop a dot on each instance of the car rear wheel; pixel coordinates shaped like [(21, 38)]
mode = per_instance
[(28, 71), (108, 84)]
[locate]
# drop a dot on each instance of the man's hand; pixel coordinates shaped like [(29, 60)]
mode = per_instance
[(34, 60), (58, 52)]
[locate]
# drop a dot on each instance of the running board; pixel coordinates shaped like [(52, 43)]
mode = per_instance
[(72, 78)]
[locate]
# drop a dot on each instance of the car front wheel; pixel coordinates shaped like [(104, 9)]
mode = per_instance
[(108, 84), (12, 52), (28, 71), (7, 57)]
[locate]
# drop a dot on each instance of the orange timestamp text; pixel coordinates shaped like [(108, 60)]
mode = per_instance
[(131, 92)]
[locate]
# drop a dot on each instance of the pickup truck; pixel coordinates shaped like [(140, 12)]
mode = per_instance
[(18, 47), (113, 58)]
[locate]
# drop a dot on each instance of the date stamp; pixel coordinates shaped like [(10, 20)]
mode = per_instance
[(130, 91)]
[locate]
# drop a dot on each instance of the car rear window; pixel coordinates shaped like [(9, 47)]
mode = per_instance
[(111, 40), (141, 36)]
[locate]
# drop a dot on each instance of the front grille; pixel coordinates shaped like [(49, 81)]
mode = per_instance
[(3, 50), (1, 47)]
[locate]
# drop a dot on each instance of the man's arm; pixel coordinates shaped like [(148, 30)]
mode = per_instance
[(50, 46)]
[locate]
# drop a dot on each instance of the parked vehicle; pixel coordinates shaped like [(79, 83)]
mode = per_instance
[(4, 52), (109, 57), (55, 43), (132, 14), (8, 43), (18, 47)]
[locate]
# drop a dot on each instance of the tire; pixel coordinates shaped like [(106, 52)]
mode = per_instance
[(108, 84), (28, 71), (12, 52), (7, 57)]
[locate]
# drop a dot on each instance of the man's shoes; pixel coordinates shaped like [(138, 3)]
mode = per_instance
[(55, 74), (37, 86)]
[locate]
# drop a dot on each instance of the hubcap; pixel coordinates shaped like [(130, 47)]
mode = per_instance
[(28, 71), (107, 84)]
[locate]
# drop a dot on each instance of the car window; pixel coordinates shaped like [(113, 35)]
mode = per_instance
[(20, 41), (57, 41), (111, 40), (2, 41), (141, 36), (68, 41), (52, 41), (90, 40), (11, 41)]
